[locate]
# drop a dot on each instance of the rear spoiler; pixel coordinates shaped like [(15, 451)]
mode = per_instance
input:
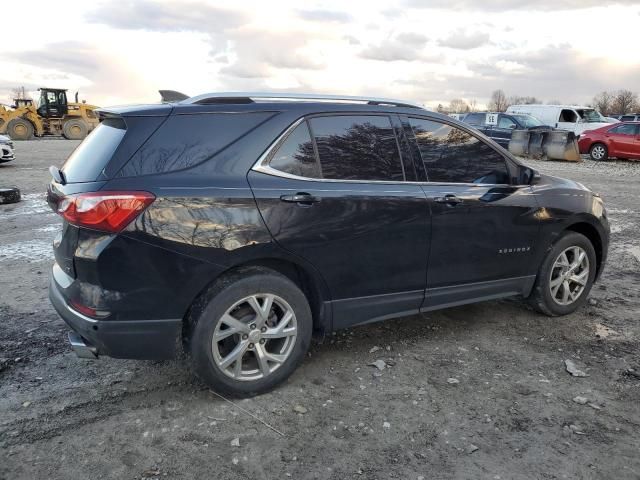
[(170, 96)]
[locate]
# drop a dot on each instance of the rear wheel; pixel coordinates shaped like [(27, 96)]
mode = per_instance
[(74, 129), (252, 329), (598, 151), (565, 276), (20, 129)]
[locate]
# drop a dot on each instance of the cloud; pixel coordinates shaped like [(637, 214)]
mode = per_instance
[(325, 16), (507, 5), (165, 16), (404, 46), (463, 40)]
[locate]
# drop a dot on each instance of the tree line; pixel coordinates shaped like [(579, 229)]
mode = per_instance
[(607, 103)]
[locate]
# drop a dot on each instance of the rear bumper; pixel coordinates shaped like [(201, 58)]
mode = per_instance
[(136, 339)]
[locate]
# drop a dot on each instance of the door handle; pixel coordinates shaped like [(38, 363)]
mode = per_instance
[(300, 198), (449, 199)]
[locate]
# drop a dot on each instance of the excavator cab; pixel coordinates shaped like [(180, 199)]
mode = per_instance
[(53, 103)]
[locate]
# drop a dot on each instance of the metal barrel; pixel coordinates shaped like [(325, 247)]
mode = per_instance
[(545, 142)]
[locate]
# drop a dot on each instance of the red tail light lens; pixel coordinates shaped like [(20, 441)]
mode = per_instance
[(104, 211)]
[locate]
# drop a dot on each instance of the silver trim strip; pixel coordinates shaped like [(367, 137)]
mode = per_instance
[(304, 97), (262, 166)]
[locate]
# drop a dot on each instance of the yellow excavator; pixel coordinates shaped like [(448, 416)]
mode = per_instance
[(53, 115)]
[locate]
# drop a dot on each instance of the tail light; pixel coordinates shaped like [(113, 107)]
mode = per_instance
[(104, 211)]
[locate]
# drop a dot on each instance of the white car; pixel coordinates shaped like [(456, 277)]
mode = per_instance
[(574, 118), (6, 149)]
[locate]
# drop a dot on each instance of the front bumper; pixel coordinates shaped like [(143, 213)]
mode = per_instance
[(136, 339)]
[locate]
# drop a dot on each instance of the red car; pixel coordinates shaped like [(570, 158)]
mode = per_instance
[(620, 140)]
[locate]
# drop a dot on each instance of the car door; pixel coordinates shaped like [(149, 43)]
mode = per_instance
[(622, 140), (483, 223), (502, 131), (333, 192)]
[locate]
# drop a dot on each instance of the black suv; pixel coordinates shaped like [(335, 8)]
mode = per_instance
[(499, 126), (235, 226)]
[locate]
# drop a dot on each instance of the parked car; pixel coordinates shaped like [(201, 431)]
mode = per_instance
[(499, 126), (6, 149), (567, 117), (621, 141), (234, 226), (629, 117)]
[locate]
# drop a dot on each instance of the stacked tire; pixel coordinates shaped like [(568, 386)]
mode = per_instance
[(9, 195)]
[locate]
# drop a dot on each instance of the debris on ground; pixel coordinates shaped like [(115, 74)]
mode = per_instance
[(300, 409), (580, 400), (602, 331), (472, 448), (235, 442), (453, 381), (379, 364), (386, 425), (374, 349), (573, 370)]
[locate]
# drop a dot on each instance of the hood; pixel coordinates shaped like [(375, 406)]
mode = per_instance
[(559, 182)]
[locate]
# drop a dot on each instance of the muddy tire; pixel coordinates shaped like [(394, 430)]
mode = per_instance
[(74, 129), (598, 151), (20, 129), (249, 332), (9, 195), (565, 277)]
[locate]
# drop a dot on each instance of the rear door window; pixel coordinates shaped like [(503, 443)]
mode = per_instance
[(295, 155), (452, 155), (92, 155), (626, 129), (357, 147)]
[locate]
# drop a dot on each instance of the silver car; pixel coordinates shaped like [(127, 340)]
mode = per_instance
[(6, 149)]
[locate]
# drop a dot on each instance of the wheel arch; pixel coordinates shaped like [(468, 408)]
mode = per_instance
[(304, 276), (592, 233)]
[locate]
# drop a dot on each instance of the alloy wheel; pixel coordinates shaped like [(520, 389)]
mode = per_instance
[(254, 337), (598, 152), (569, 275)]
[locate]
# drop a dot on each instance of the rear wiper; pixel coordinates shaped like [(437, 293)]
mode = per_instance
[(57, 175)]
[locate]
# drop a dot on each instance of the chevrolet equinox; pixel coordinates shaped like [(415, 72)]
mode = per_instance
[(234, 226)]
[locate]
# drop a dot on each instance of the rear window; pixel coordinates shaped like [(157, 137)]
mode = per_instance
[(184, 141), (92, 155)]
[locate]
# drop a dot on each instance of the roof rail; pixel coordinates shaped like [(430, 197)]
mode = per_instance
[(253, 97)]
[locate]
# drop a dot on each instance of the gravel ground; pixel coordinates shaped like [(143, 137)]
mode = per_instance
[(479, 391)]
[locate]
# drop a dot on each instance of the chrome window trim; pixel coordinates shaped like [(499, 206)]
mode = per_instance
[(262, 166)]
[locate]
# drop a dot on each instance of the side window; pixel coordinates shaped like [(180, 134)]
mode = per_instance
[(627, 118), (506, 122), (295, 155), (626, 129), (455, 156), (357, 147), (475, 119), (568, 116)]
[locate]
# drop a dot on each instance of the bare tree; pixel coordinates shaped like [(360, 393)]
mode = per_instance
[(603, 102), (458, 105), (440, 108), (19, 93), (520, 100), (473, 105), (498, 101), (625, 101)]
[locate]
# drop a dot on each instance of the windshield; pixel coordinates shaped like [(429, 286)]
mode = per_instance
[(528, 121), (591, 116)]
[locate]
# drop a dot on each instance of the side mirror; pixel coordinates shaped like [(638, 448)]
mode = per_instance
[(529, 176)]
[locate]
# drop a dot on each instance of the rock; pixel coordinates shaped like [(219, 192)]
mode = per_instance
[(573, 370), (152, 472), (234, 460), (386, 425), (595, 407), (374, 349), (26, 404), (235, 442), (580, 400), (472, 448), (453, 381), (593, 302), (300, 409), (576, 429), (602, 331), (379, 364)]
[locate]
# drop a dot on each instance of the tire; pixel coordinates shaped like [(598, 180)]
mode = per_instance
[(542, 296), (598, 151), (75, 129), (9, 195), (211, 360), (20, 129)]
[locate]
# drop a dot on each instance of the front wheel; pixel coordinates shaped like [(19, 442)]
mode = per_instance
[(250, 332), (598, 151), (565, 276)]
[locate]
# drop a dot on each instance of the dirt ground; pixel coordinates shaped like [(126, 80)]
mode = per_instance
[(474, 392)]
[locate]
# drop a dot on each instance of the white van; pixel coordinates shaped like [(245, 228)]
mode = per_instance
[(568, 117)]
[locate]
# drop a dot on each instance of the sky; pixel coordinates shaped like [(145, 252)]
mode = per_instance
[(121, 52)]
